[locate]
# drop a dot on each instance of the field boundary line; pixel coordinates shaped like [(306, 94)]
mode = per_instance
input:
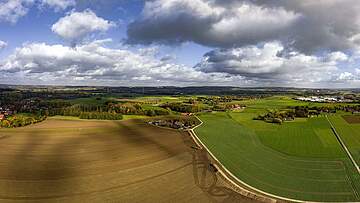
[(342, 143), (264, 196)]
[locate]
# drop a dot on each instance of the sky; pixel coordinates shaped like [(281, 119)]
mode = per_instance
[(245, 43)]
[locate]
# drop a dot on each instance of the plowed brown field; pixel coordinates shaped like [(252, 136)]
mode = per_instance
[(105, 161), (352, 119)]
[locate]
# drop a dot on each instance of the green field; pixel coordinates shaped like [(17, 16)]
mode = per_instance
[(300, 160), (350, 134), (279, 102)]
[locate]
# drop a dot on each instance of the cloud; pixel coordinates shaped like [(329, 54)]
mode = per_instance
[(59, 4), (272, 63), (338, 56), (2, 45), (76, 25), (12, 10), (95, 64), (307, 26), (207, 23), (347, 76), (268, 41)]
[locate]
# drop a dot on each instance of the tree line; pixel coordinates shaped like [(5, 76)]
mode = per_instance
[(100, 116), (182, 107), (295, 112), (21, 121), (137, 109)]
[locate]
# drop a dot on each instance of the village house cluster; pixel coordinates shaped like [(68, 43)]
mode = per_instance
[(4, 112), (170, 124), (185, 122)]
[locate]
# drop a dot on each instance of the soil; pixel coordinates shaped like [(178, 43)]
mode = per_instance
[(352, 119), (89, 161)]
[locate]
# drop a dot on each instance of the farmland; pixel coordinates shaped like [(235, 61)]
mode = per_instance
[(273, 144), (301, 159), (352, 119), (350, 133), (96, 161)]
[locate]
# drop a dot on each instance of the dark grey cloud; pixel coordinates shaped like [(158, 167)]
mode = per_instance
[(304, 25), (175, 23), (208, 23)]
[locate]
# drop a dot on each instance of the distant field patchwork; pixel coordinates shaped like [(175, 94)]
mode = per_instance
[(300, 160)]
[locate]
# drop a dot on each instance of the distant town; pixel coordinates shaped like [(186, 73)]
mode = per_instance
[(328, 99)]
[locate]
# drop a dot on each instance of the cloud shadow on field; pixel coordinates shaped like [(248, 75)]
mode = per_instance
[(36, 172), (142, 138)]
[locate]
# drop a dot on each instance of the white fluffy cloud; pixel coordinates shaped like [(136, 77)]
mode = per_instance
[(77, 25), (346, 76), (12, 10), (2, 45), (59, 4), (94, 63), (272, 63), (352, 77)]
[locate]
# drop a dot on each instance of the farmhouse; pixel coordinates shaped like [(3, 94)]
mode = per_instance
[(236, 107), (187, 114)]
